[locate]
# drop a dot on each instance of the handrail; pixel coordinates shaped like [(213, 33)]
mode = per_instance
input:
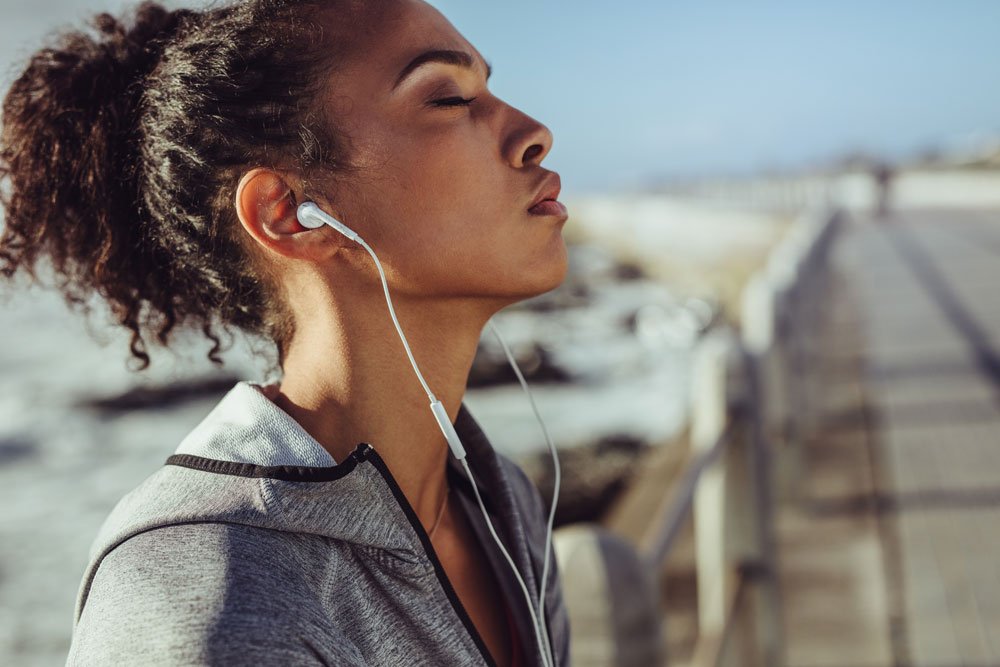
[(679, 501), (743, 428)]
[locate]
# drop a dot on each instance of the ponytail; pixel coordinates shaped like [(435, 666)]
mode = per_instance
[(121, 148)]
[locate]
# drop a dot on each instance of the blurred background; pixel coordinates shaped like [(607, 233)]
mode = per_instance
[(772, 373)]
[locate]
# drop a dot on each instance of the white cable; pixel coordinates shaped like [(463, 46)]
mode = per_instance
[(540, 633), (542, 642), (555, 489)]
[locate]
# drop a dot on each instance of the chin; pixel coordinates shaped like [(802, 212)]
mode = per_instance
[(554, 270), (544, 273)]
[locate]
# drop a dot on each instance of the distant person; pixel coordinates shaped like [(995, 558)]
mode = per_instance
[(162, 165), (882, 174)]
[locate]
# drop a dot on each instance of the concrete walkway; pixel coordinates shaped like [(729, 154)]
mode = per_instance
[(890, 554)]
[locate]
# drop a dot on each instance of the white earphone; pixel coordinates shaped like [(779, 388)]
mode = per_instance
[(312, 216)]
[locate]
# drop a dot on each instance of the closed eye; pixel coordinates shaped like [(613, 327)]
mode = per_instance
[(454, 102)]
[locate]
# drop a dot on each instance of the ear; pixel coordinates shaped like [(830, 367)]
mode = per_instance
[(266, 205)]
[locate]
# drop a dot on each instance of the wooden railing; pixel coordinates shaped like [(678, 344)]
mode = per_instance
[(751, 403)]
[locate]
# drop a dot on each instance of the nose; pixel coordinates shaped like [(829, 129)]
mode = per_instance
[(530, 142)]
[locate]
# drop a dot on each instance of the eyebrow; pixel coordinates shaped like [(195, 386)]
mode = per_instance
[(446, 56)]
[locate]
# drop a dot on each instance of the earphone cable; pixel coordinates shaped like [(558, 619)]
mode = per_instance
[(308, 212), (555, 488), (540, 637)]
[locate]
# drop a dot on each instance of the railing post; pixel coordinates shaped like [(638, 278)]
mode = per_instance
[(727, 512), (709, 416), (776, 461), (765, 595)]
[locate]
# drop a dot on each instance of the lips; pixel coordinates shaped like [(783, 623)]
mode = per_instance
[(547, 191), (548, 207), (545, 202)]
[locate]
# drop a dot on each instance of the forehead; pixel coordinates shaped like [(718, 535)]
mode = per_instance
[(382, 37)]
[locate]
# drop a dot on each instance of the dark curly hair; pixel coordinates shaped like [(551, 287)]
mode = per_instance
[(120, 155)]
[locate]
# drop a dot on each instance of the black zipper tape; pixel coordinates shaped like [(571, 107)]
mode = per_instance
[(364, 451)]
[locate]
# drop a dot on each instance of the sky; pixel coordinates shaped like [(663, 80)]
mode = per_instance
[(637, 91)]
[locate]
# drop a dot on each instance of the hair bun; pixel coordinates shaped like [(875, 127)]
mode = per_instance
[(136, 51), (69, 148)]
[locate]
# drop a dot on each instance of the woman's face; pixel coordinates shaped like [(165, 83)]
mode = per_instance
[(445, 189)]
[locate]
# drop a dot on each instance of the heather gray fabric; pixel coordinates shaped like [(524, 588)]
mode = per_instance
[(253, 546)]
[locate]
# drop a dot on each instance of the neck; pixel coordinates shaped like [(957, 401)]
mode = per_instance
[(347, 379)]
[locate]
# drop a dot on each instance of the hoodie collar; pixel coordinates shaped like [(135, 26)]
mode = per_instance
[(249, 462), (247, 427)]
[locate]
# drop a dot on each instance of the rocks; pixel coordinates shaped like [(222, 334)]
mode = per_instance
[(17, 448), (583, 330), (592, 475), (152, 397), (491, 367)]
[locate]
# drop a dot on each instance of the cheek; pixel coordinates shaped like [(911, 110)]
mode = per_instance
[(461, 250), (450, 162), (447, 210), (441, 219)]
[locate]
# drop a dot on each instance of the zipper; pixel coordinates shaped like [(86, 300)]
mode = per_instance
[(365, 451)]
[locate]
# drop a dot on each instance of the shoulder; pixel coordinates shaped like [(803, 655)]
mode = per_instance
[(206, 558), (202, 593)]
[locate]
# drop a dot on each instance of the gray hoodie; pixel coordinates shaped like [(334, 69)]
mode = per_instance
[(251, 545)]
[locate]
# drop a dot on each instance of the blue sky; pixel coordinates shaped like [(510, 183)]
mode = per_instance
[(633, 90)]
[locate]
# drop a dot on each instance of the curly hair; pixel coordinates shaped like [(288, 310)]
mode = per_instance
[(120, 155)]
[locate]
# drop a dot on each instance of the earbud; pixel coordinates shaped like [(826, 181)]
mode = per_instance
[(312, 216)]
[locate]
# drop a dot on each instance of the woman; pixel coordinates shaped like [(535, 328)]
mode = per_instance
[(321, 519)]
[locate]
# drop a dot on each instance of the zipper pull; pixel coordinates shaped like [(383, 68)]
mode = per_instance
[(362, 450)]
